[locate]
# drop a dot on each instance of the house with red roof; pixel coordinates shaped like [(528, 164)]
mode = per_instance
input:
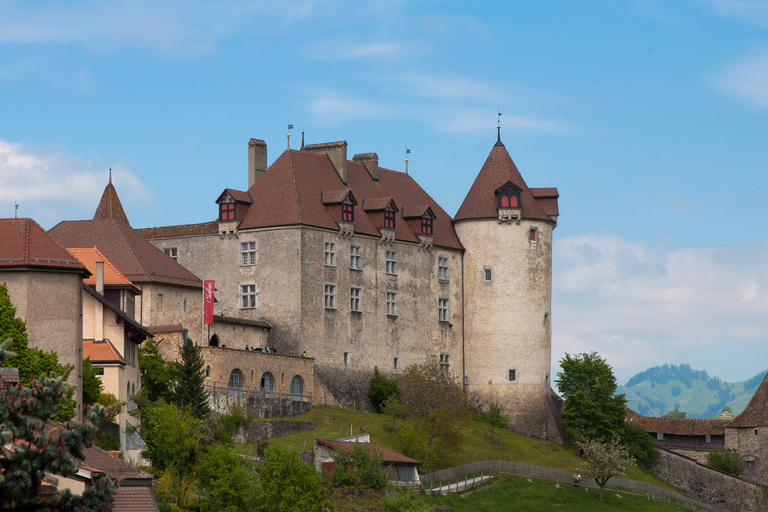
[(45, 282), (402, 470), (357, 266)]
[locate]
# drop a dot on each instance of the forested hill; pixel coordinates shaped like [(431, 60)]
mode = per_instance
[(661, 389)]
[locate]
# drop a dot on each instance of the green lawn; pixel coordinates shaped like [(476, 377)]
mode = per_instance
[(512, 494), (333, 422)]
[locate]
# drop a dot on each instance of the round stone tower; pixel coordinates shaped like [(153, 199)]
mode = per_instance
[(506, 229)]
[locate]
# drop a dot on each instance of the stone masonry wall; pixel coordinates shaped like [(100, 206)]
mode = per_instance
[(261, 430)]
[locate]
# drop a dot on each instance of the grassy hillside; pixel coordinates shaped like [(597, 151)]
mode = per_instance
[(332, 422), (661, 389)]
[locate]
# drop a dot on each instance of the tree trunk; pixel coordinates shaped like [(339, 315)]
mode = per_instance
[(601, 491)]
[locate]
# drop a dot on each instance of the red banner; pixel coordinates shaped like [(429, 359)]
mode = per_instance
[(208, 289)]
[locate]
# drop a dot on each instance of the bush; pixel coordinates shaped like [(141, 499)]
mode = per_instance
[(405, 501), (725, 460), (381, 389), (639, 442), (366, 468)]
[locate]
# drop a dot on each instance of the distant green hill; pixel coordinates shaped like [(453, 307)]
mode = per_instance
[(661, 389)]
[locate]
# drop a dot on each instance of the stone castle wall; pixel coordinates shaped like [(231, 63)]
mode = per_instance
[(261, 430)]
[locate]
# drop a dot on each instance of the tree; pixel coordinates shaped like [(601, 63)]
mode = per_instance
[(381, 390), (224, 481), (433, 394), (157, 376), (494, 417), (676, 414), (725, 460), (639, 443), (190, 375), (287, 484), (395, 408), (30, 361), (592, 407), (604, 460), (31, 448), (92, 386), (363, 467)]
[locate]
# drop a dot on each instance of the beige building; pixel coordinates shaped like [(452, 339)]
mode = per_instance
[(45, 285), (358, 266)]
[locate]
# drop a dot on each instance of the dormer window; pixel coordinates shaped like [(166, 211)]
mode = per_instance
[(347, 212), (389, 219), (508, 201), (426, 225), (508, 195), (227, 211)]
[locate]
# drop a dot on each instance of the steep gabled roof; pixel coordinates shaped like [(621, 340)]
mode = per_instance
[(756, 412), (23, 243), (137, 259), (103, 461), (678, 426), (102, 352), (110, 206), (481, 201), (112, 276)]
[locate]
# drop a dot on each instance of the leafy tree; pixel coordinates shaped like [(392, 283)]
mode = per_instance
[(604, 460), (395, 408), (726, 409), (494, 417), (157, 376), (405, 500), (287, 484), (676, 414), (725, 460), (224, 481), (381, 389), (31, 361), (592, 407), (639, 443), (190, 375), (30, 450), (92, 386), (414, 445), (434, 396), (112, 404), (366, 468)]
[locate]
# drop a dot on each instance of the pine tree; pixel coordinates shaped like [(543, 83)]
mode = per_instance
[(190, 375), (30, 450)]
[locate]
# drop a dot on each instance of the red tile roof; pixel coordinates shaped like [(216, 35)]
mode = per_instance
[(137, 259), (102, 352), (388, 456), (134, 499), (10, 375), (481, 201), (756, 412), (112, 276), (23, 243), (157, 329), (101, 460), (110, 206), (204, 228), (683, 427)]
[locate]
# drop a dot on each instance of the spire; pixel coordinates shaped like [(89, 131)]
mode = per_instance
[(498, 131), (110, 206)]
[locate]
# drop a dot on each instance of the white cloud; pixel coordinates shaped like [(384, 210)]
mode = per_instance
[(747, 79), (639, 306), (333, 108), (753, 11), (51, 186), (477, 121)]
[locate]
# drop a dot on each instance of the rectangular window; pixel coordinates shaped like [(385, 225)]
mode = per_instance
[(391, 263), (248, 253), (426, 226), (445, 363), (442, 310), (227, 211), (389, 220), (346, 359), (391, 303), (330, 254), (660, 436), (394, 363), (355, 258), (347, 213), (442, 268), (533, 236), (356, 300), (512, 375), (247, 296), (487, 275), (707, 438), (172, 252), (329, 296)]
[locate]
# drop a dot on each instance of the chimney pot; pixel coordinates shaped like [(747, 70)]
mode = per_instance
[(100, 277), (337, 153), (257, 160), (371, 163)]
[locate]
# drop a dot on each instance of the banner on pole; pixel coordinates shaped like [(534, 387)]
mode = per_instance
[(208, 298)]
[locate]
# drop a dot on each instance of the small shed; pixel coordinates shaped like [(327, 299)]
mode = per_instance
[(402, 469)]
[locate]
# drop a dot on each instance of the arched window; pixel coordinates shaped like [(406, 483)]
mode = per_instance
[(207, 371), (128, 389), (214, 341), (513, 201), (504, 202), (267, 382), (297, 388), (235, 382), (508, 195), (133, 389)]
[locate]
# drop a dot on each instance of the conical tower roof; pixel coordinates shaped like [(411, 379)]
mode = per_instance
[(481, 200), (110, 206)]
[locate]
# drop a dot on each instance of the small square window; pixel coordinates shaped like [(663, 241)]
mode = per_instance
[(660, 436), (329, 296), (172, 252), (391, 263), (442, 268), (512, 375), (487, 274), (355, 258), (330, 254), (356, 300), (248, 253), (391, 303), (442, 310), (247, 296)]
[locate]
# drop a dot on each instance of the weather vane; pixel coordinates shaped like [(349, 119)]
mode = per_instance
[(407, 152), (290, 127), (498, 124), (16, 210)]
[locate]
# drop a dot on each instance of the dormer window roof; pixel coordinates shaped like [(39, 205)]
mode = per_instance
[(227, 201), (508, 195), (425, 213)]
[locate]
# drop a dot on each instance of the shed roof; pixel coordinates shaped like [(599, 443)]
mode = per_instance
[(388, 456)]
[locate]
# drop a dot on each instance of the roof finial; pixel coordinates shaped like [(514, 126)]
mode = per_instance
[(290, 127), (302, 139), (110, 175), (498, 128), (407, 152)]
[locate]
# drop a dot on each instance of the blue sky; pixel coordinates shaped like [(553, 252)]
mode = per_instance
[(650, 116)]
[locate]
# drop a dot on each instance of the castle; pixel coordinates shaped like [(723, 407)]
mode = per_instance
[(355, 266)]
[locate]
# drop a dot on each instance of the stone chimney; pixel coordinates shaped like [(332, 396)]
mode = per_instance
[(98, 308), (100, 277), (337, 152), (257, 160), (371, 163)]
